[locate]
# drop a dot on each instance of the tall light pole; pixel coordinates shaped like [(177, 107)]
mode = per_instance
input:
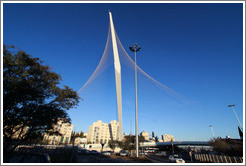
[(135, 48), (211, 126), (232, 106)]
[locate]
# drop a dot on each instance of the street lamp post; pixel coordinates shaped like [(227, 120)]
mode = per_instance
[(135, 48), (172, 147), (211, 126), (102, 143), (232, 106)]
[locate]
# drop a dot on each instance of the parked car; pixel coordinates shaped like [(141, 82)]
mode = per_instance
[(176, 159), (123, 153), (143, 153), (28, 157), (107, 153), (83, 151), (94, 152), (162, 153)]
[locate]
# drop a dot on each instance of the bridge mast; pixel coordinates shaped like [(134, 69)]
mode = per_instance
[(117, 68)]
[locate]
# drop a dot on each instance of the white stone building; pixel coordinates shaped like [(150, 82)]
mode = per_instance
[(167, 138), (65, 129), (103, 132), (145, 134), (79, 140)]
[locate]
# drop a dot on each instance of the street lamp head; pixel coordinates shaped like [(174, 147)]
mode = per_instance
[(231, 105), (135, 47), (210, 125)]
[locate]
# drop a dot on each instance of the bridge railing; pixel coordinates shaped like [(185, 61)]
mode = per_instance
[(211, 158)]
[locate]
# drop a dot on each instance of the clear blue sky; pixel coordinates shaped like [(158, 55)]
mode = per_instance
[(195, 49)]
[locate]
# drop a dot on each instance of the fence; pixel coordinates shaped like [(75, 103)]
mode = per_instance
[(211, 158)]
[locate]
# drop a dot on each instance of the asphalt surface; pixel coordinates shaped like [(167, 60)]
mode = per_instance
[(157, 159), (99, 159), (108, 159)]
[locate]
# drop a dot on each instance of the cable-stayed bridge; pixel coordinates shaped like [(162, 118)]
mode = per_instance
[(121, 56), (180, 143)]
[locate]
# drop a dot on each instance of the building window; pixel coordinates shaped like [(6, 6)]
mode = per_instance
[(62, 138), (66, 141)]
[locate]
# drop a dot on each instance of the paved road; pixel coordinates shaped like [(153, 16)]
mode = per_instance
[(161, 159), (157, 159), (151, 158), (98, 159)]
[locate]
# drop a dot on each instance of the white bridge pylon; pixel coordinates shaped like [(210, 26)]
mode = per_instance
[(117, 68)]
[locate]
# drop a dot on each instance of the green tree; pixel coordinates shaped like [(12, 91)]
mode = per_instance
[(73, 136), (32, 97), (156, 139), (227, 146), (153, 134), (112, 144), (81, 135), (219, 145), (128, 143)]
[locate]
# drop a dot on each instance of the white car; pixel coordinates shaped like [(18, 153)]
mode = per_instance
[(176, 159), (107, 153), (123, 153)]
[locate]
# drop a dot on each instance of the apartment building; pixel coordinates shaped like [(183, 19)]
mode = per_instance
[(145, 134), (65, 129), (19, 132), (167, 138), (103, 132)]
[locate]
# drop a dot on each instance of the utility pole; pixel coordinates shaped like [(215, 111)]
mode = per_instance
[(134, 49)]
